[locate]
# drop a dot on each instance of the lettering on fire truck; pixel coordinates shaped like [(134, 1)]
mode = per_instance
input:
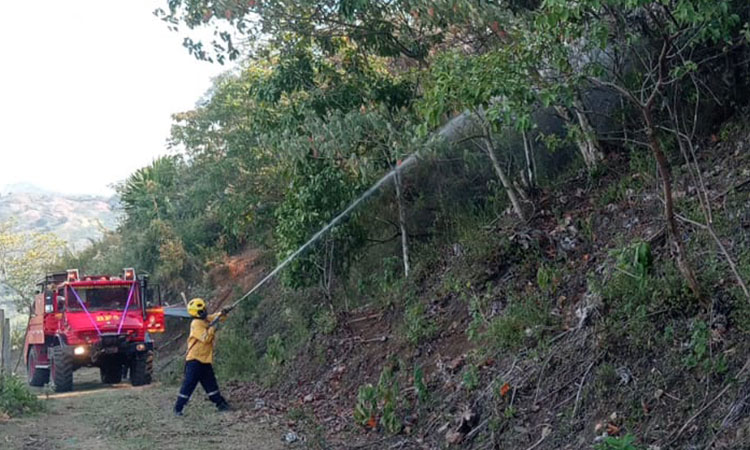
[(106, 318)]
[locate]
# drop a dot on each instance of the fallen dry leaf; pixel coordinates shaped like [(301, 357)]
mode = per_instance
[(504, 389)]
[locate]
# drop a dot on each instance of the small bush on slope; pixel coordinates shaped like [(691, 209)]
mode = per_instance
[(15, 398)]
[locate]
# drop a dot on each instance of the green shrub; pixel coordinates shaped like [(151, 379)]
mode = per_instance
[(417, 325), (641, 163), (274, 352), (236, 357), (452, 284), (366, 408), (699, 355), (698, 345), (15, 398), (325, 321), (618, 443), (389, 396), (635, 260), (471, 377), (615, 192), (381, 400), (420, 387), (390, 421)]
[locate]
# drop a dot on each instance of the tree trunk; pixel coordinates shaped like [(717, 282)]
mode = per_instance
[(326, 268), (402, 222), (588, 144), (528, 150), (490, 150), (663, 165), (509, 189)]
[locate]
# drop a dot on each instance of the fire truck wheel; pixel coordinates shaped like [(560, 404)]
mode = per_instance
[(37, 377), (142, 368), (62, 370), (111, 372)]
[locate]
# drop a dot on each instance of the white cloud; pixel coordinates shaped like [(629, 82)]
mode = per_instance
[(87, 90)]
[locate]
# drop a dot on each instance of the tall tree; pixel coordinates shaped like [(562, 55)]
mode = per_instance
[(460, 82), (24, 256)]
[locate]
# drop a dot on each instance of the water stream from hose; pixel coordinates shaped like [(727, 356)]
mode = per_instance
[(447, 130)]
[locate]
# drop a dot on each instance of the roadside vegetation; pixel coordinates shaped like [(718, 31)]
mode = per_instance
[(15, 398)]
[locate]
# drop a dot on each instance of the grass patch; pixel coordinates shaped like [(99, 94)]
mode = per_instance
[(639, 294), (626, 442), (548, 278), (523, 322)]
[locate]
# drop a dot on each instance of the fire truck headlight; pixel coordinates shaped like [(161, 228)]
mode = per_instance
[(80, 350), (140, 347)]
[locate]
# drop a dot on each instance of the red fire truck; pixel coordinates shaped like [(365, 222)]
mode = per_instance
[(101, 321)]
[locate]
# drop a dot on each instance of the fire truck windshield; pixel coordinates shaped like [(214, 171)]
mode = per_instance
[(99, 298)]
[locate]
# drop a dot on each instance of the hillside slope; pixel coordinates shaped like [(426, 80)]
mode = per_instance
[(557, 333)]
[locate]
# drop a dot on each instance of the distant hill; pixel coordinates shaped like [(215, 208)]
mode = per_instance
[(74, 218)]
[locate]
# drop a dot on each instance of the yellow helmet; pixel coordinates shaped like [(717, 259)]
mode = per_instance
[(197, 308)]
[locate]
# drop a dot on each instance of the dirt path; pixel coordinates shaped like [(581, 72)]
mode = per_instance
[(122, 417)]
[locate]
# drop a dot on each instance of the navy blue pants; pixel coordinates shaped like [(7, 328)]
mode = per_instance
[(198, 372)]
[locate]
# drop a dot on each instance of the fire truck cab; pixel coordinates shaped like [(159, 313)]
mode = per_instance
[(99, 321)]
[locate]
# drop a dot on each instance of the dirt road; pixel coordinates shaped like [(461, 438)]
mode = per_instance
[(95, 416)]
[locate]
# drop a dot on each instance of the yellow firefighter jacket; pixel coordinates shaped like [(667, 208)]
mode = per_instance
[(201, 340)]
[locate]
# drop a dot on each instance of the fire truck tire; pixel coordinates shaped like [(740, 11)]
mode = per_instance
[(37, 377), (142, 369), (62, 370), (111, 372)]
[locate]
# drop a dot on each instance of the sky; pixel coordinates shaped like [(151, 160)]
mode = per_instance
[(87, 89)]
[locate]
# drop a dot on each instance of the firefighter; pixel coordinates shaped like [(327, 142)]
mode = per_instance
[(198, 368)]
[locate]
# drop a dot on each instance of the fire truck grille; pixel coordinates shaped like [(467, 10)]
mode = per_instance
[(112, 340)]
